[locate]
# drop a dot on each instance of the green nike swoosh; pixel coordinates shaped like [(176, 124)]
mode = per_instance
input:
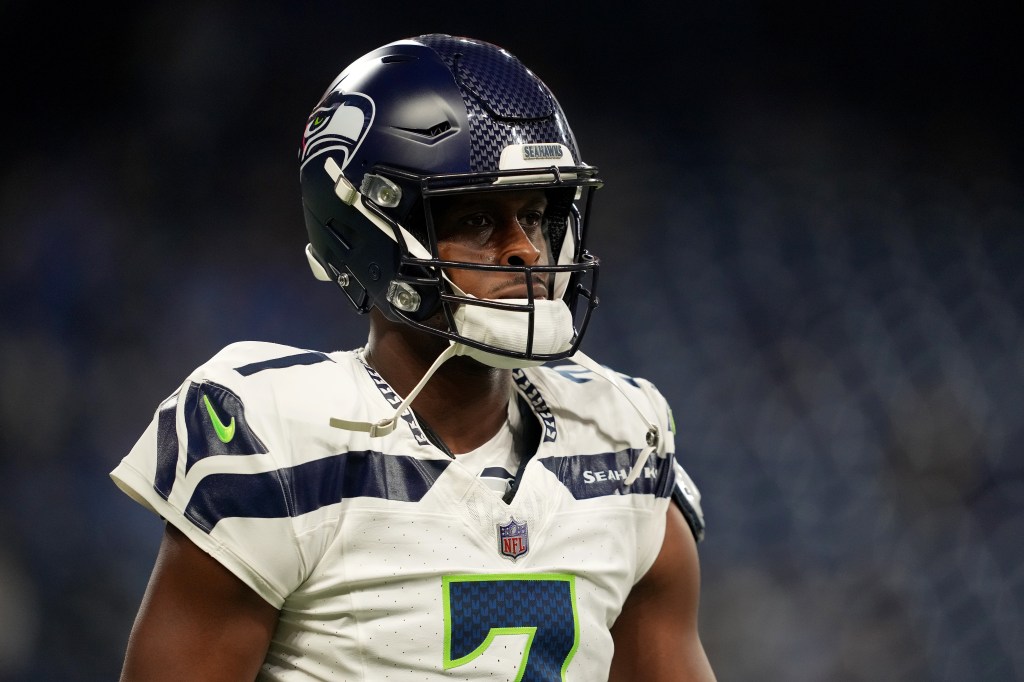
[(225, 433)]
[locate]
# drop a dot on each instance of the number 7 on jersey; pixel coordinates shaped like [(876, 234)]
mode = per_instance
[(542, 606)]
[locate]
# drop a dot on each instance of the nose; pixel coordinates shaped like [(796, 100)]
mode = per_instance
[(519, 249)]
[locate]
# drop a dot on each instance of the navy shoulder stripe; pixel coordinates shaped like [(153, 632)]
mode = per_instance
[(310, 358), (306, 487), (588, 476), (166, 447)]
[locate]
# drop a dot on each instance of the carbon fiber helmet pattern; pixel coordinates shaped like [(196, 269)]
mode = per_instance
[(497, 90), (435, 116)]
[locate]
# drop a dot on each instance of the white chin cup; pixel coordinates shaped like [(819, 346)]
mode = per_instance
[(507, 330)]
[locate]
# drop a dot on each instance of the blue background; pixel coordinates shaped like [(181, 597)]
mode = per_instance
[(812, 235)]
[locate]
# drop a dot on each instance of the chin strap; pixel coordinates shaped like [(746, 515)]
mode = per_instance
[(653, 431), (386, 426), (500, 328)]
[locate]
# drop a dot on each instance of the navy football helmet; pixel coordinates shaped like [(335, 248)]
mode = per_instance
[(431, 117)]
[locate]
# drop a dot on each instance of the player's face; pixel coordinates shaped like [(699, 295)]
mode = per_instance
[(495, 228)]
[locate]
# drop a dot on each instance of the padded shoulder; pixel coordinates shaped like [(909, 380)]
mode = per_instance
[(583, 390)]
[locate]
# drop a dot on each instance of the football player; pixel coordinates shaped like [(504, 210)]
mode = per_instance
[(438, 504)]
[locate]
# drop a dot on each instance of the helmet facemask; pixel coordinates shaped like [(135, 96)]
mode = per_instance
[(502, 332)]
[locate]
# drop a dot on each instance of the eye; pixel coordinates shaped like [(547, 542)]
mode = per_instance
[(477, 220), (531, 219)]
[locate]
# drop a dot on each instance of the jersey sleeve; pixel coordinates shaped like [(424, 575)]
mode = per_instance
[(210, 464)]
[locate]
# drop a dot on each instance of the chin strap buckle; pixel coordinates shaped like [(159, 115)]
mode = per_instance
[(653, 439), (381, 428)]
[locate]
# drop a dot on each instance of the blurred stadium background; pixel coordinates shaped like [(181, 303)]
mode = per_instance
[(812, 235)]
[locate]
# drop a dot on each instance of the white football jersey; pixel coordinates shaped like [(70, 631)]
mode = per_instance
[(390, 560)]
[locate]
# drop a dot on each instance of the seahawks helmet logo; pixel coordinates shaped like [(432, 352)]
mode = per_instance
[(339, 125)]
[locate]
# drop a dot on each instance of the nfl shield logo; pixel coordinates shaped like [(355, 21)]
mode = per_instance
[(513, 539)]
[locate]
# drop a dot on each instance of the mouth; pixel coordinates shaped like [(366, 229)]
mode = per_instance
[(519, 290)]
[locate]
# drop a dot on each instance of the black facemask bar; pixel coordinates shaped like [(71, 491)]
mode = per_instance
[(425, 275)]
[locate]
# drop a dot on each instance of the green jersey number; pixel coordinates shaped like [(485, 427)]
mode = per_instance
[(542, 606)]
